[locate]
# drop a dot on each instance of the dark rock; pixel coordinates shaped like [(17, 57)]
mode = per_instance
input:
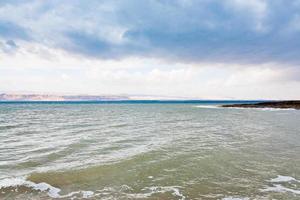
[(269, 104)]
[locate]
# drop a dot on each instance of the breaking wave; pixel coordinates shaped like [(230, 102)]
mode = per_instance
[(19, 185), (283, 184), (53, 192)]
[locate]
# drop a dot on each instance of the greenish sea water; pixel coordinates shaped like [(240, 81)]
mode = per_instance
[(148, 151)]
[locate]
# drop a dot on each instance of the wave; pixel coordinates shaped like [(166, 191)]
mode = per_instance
[(262, 109), (208, 106), (280, 189), (150, 191), (236, 198), (281, 184), (15, 184), (240, 108), (281, 179), (51, 191)]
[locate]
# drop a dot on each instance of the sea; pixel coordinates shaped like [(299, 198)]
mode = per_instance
[(158, 150)]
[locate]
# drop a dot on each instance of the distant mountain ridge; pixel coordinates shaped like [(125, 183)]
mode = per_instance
[(49, 97)]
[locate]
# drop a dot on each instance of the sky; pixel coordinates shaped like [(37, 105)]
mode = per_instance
[(204, 49)]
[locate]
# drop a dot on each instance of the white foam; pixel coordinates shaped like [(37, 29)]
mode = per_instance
[(280, 189), (280, 178), (51, 191), (235, 198), (262, 109), (11, 182), (276, 187), (245, 108), (174, 189), (207, 106), (87, 194), (276, 109), (43, 187), (155, 189)]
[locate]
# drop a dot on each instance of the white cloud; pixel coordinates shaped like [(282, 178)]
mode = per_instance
[(205, 49), (41, 69)]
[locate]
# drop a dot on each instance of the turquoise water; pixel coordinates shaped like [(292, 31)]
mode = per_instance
[(148, 151)]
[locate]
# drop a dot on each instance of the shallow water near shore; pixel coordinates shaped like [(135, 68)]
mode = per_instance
[(148, 151)]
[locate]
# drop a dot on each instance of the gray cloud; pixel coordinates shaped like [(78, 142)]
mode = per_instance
[(255, 31), (8, 46)]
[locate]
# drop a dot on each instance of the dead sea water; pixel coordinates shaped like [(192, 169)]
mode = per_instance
[(148, 151)]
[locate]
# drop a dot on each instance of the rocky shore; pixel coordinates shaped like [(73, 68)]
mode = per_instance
[(270, 104)]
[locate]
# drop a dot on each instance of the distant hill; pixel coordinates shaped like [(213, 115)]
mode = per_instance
[(49, 97)]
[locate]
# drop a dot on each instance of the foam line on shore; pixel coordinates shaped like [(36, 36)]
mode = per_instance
[(50, 190)]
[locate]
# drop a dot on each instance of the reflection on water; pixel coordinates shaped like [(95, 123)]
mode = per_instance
[(148, 151)]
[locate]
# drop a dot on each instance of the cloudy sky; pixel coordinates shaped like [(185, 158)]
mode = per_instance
[(210, 49)]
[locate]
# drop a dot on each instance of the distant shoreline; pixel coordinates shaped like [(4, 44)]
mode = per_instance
[(268, 104), (130, 102)]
